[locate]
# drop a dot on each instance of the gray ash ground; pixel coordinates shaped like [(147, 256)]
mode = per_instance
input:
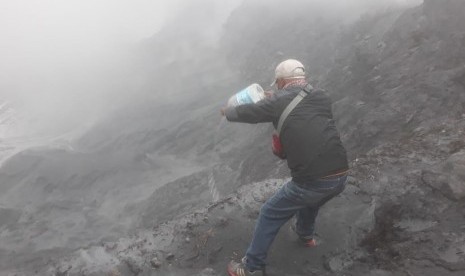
[(414, 231), (202, 243)]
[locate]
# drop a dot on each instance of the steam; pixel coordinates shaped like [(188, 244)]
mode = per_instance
[(64, 63)]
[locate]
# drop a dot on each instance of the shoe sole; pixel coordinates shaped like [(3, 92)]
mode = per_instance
[(310, 244), (231, 273)]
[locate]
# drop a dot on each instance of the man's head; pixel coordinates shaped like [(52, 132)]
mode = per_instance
[(287, 71)]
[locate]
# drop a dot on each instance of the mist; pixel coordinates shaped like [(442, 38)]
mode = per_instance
[(66, 63), (63, 62)]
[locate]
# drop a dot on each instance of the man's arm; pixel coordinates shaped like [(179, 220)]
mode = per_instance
[(260, 112)]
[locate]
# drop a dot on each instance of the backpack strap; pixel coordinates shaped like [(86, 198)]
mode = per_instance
[(302, 94), (308, 88)]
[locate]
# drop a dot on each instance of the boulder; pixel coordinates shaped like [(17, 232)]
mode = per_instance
[(155, 263), (449, 177), (454, 171)]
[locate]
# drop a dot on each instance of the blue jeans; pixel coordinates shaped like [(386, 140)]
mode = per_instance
[(292, 199)]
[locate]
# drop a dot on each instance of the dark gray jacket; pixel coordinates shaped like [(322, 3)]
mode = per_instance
[(309, 135)]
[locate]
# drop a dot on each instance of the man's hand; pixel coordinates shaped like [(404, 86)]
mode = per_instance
[(269, 93)]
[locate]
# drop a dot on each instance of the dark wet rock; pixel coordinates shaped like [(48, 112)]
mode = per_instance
[(63, 271), (436, 180), (351, 180), (169, 257), (155, 262), (337, 263), (449, 178), (189, 225), (382, 237), (133, 265), (454, 168)]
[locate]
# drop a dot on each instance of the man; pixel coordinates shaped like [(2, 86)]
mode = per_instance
[(315, 156)]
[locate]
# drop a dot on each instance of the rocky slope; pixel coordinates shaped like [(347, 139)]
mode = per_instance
[(398, 81)]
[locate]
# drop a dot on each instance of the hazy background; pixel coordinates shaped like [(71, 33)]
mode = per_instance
[(62, 62)]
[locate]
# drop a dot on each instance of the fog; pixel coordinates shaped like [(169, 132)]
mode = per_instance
[(53, 51), (63, 62)]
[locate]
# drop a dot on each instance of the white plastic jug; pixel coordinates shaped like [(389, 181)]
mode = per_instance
[(251, 94)]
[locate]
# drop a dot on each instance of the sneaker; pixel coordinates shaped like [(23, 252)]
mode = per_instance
[(239, 269), (307, 241)]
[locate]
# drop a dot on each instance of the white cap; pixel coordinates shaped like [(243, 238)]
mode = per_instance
[(289, 69)]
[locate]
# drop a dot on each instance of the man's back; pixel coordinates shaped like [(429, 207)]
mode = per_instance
[(311, 140), (309, 135)]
